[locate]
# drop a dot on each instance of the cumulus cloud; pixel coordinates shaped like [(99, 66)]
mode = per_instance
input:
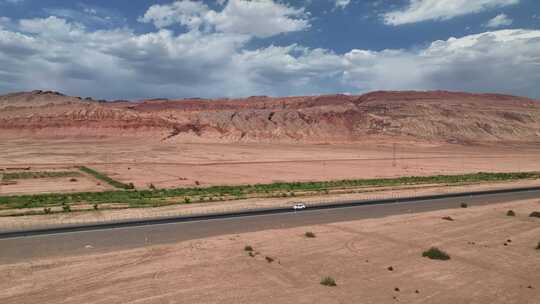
[(186, 12), (255, 18), (502, 61), (4, 21), (53, 53), (423, 10), (53, 27), (342, 3), (499, 20)]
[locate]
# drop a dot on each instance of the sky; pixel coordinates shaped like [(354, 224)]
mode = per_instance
[(126, 49)]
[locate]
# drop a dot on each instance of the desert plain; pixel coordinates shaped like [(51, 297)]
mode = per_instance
[(149, 147), (492, 260)]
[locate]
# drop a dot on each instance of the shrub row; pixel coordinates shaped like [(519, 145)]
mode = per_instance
[(141, 198)]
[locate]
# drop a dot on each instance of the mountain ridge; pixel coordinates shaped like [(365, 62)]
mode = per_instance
[(425, 116)]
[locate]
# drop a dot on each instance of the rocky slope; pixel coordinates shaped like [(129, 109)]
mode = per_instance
[(436, 116)]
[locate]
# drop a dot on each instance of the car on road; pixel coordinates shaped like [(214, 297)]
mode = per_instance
[(299, 206)]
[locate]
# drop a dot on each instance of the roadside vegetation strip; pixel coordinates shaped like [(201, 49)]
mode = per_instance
[(151, 198), (106, 179), (40, 174)]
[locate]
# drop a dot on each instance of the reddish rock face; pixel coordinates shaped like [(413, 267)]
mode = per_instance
[(436, 116)]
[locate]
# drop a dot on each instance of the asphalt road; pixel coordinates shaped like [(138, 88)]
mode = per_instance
[(27, 248)]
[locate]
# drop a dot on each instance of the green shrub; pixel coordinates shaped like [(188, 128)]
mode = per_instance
[(510, 213), (310, 234), (39, 174), (435, 253), (66, 208), (328, 281), (96, 206), (47, 210), (105, 178), (145, 198), (187, 200)]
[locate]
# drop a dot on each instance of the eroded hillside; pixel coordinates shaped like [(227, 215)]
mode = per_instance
[(437, 116)]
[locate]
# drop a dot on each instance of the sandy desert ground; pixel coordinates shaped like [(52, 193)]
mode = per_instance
[(356, 254), (184, 164)]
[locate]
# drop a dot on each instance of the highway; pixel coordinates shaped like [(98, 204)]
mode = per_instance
[(20, 248)]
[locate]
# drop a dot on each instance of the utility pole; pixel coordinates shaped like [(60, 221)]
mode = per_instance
[(394, 160)]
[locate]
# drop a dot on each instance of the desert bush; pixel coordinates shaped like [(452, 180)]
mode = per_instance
[(538, 246), (96, 206), (464, 205), (72, 180), (310, 234), (269, 259), (448, 218), (145, 198), (510, 213), (105, 178), (187, 200), (328, 281), (435, 253), (47, 210), (248, 248), (535, 214), (66, 208), (40, 174), (152, 187)]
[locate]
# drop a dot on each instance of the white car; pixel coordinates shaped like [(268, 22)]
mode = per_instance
[(299, 207)]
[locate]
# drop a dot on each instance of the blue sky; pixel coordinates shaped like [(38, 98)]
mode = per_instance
[(234, 48)]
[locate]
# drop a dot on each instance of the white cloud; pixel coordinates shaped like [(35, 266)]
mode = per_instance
[(4, 21), (52, 26), (254, 18), (89, 16), (502, 61), (187, 13), (342, 3), (258, 18), (423, 10), (499, 20), (55, 54)]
